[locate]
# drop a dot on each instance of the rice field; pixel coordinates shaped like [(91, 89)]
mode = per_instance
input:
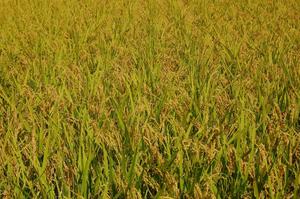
[(150, 99)]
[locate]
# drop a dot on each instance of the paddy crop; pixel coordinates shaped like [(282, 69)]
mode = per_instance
[(149, 99)]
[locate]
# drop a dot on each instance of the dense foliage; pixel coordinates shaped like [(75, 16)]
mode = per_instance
[(149, 98)]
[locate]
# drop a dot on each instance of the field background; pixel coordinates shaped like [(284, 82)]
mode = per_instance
[(149, 99)]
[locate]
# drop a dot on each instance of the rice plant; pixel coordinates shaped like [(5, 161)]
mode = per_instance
[(149, 99)]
